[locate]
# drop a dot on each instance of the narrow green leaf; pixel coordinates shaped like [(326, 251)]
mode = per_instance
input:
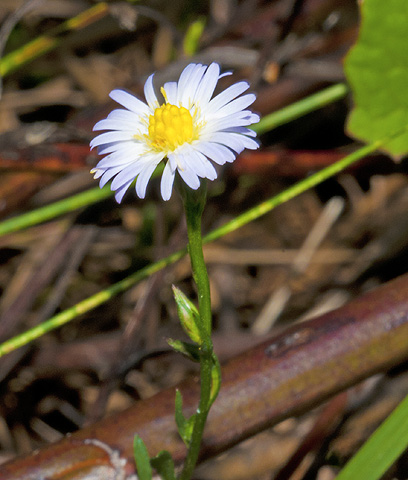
[(215, 379), (187, 349), (192, 37), (164, 465), (188, 315), (184, 425), (48, 212), (382, 449), (142, 460), (50, 40), (377, 71)]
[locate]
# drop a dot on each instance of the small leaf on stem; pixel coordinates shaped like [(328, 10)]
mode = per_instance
[(187, 349), (184, 425), (142, 460), (188, 315), (164, 465), (215, 379)]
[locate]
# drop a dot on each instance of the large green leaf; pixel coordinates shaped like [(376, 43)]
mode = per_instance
[(377, 71)]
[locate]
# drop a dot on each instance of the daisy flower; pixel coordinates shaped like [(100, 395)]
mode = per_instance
[(189, 130)]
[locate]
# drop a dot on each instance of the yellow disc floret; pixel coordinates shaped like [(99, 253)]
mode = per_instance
[(169, 127)]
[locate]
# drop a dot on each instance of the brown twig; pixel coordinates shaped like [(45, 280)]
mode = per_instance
[(280, 378)]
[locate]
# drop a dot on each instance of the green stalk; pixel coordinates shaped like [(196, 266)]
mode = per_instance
[(88, 304), (194, 202), (43, 44), (302, 107), (206, 365), (291, 192), (53, 210)]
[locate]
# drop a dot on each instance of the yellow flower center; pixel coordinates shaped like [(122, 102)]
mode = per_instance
[(169, 127)]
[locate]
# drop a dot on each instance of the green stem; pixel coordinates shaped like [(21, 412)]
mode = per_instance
[(200, 416), (292, 192), (194, 202), (45, 43), (53, 210)]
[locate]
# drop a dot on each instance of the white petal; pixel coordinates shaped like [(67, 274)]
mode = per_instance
[(207, 85), (120, 192), (122, 157), (167, 180), (188, 94), (184, 80), (254, 118), (150, 95), (187, 160), (199, 163), (111, 124), (97, 173), (226, 96), (227, 122), (135, 119), (234, 141), (125, 148), (236, 105), (143, 179), (129, 101), (172, 161), (171, 92), (109, 137), (216, 152), (127, 174), (108, 174), (190, 177), (115, 161), (113, 146), (242, 130), (249, 142), (210, 171)]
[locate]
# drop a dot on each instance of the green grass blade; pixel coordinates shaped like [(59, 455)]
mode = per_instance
[(87, 304), (291, 192), (39, 215), (301, 107), (252, 214), (382, 449), (43, 44)]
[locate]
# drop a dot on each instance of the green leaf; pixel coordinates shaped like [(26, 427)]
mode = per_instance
[(184, 425), (215, 379), (142, 460), (192, 37), (377, 71), (187, 349), (188, 315), (382, 449), (164, 465)]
